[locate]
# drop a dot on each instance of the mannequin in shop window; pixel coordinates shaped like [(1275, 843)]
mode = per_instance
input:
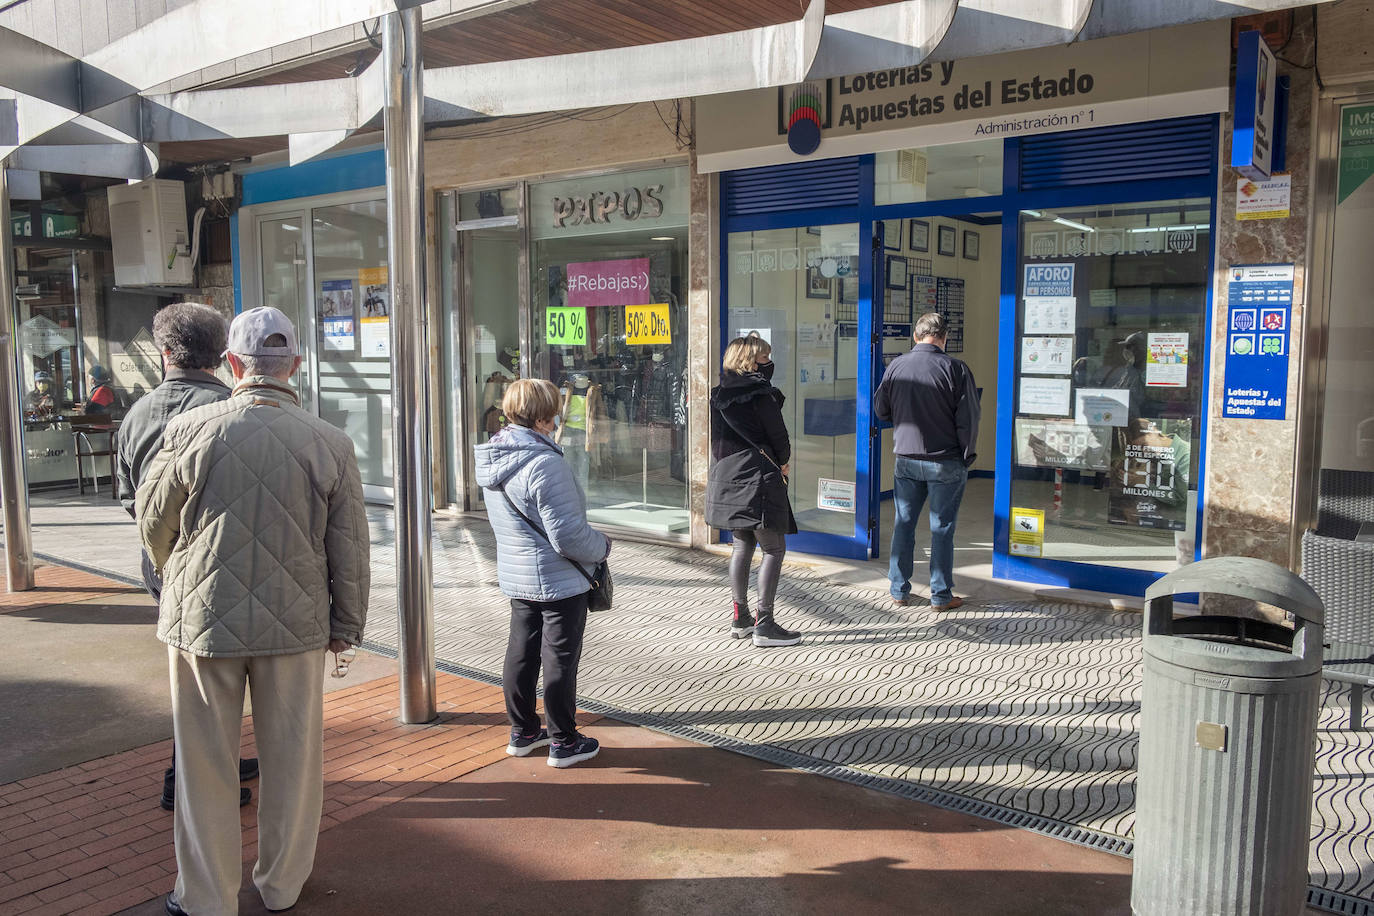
[(494, 389), (663, 410), (582, 424)]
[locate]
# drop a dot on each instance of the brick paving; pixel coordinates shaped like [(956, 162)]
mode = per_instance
[(60, 585), (91, 839)]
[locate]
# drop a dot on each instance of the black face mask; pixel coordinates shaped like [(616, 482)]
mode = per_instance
[(766, 370)]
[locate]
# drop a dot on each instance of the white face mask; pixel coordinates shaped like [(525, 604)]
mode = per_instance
[(557, 421)]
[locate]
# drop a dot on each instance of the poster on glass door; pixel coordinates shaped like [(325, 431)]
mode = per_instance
[(1151, 462)]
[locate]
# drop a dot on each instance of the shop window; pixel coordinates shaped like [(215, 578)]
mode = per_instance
[(1110, 316), (608, 288), (952, 172)]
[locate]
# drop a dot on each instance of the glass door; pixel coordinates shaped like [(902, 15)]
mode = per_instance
[(486, 326), (805, 290), (351, 327), (286, 282)]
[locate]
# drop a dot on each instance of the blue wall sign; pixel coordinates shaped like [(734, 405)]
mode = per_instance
[(1259, 315), (1252, 140)]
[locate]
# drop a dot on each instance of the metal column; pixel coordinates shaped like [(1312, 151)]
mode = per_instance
[(14, 478), (405, 218)]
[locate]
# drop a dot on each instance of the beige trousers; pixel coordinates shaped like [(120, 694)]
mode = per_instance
[(288, 723)]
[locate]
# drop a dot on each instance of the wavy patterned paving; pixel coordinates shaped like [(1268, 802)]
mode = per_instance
[(1021, 711), (1025, 706)]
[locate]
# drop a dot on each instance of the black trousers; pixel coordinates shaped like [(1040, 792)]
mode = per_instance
[(551, 632)]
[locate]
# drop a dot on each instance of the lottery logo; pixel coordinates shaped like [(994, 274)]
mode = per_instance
[(1075, 244), (1271, 344), (1181, 240), (1243, 320), (1110, 242), (1243, 344), (1044, 244), (1272, 321)]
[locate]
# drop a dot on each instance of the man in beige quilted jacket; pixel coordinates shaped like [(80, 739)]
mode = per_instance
[(253, 513)]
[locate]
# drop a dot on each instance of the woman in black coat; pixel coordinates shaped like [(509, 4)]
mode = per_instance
[(747, 488)]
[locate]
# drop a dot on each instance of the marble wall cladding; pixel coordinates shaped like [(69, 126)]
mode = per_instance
[(1251, 463), (703, 343)]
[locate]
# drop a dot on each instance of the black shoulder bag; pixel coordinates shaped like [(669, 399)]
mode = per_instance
[(602, 588)]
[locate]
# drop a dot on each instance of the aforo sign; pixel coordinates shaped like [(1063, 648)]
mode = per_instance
[(603, 206), (600, 283)]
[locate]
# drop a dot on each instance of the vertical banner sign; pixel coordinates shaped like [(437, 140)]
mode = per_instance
[(597, 283), (1252, 140), (1258, 315), (647, 324), (1357, 149)]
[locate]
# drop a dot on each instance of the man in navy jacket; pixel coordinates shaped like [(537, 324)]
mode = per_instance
[(932, 402)]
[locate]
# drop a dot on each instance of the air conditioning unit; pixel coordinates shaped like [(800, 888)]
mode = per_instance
[(148, 232)]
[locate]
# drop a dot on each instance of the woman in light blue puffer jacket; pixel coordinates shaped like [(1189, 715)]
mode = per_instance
[(548, 595)]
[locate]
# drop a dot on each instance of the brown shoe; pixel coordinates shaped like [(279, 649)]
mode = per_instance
[(953, 603)]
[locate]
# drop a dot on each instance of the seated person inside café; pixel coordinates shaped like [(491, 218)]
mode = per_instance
[(102, 399)]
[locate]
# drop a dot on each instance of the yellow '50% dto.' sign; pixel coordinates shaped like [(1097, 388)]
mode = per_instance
[(647, 324)]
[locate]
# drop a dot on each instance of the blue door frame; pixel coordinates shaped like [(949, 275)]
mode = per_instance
[(1011, 202)]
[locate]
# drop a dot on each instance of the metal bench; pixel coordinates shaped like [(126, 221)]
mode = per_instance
[(1341, 570)]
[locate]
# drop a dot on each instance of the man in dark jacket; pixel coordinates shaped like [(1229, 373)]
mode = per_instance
[(192, 338), (931, 400)]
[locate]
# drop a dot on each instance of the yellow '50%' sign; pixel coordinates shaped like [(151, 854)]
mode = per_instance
[(567, 327), (647, 324)]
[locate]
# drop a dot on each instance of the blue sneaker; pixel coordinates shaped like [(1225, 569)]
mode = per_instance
[(524, 745), (573, 752)]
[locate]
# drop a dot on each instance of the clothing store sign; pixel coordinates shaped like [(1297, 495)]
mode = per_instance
[(1259, 310), (647, 199), (601, 283), (1141, 76)]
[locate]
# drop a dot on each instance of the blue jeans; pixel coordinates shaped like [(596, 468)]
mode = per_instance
[(913, 480)]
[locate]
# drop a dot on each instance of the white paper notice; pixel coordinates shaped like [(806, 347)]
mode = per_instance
[(1166, 360), (1046, 355), (1102, 298), (1102, 406), (835, 495), (376, 337), (1050, 314), (1045, 396)]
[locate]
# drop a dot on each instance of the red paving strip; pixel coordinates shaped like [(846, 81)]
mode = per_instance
[(91, 839), (60, 585)]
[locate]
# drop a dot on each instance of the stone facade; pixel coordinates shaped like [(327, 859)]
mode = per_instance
[(1251, 464)]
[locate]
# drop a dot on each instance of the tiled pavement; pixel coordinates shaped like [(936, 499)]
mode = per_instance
[(86, 839), (1017, 710)]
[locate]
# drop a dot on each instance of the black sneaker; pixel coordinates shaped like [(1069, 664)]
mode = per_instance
[(524, 745), (742, 623), (248, 769), (571, 753), (767, 633)]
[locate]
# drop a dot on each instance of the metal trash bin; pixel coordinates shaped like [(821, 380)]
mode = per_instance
[(1227, 742)]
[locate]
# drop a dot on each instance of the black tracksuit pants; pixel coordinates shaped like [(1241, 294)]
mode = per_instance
[(549, 632)]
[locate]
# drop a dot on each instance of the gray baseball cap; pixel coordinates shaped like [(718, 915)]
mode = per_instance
[(249, 330)]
